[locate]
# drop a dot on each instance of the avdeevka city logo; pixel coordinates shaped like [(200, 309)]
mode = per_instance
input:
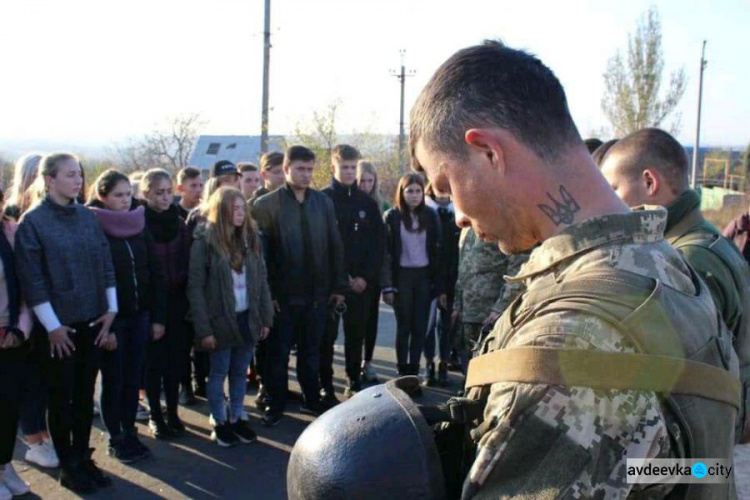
[(699, 470)]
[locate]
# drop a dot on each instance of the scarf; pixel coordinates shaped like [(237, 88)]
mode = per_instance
[(164, 226), (120, 224)]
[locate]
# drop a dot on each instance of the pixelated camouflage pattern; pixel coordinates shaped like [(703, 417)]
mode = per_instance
[(572, 442), (481, 270)]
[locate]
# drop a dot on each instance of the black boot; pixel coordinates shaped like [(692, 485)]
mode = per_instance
[(74, 478), (443, 374), (430, 368), (94, 473), (402, 370)]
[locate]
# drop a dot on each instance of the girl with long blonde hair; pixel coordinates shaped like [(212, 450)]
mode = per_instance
[(230, 303)]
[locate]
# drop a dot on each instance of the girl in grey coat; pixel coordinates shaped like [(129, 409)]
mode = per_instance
[(230, 303)]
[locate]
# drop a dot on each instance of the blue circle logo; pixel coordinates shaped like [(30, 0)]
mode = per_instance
[(699, 470)]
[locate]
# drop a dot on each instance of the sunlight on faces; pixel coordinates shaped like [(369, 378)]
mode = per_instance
[(160, 196), (345, 171), (191, 190), (480, 193), (299, 173), (250, 183), (274, 177), (413, 195), (238, 212), (68, 181), (366, 182), (231, 180), (119, 199), (630, 188)]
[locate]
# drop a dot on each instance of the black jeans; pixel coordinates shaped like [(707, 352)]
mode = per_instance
[(371, 326), (12, 373), (121, 372), (355, 325), (412, 313), (34, 393), (196, 363), (165, 359), (302, 323), (71, 382)]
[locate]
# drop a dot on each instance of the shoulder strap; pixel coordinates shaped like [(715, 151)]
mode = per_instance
[(604, 370)]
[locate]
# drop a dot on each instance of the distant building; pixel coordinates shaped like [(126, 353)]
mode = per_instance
[(209, 149)]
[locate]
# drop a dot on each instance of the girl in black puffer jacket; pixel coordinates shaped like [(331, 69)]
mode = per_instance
[(142, 299)]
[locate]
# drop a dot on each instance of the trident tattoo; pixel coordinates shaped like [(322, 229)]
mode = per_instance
[(563, 212)]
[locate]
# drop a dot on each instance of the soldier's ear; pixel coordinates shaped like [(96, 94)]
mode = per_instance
[(486, 143), (651, 181)]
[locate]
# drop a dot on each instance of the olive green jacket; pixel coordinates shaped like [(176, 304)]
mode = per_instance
[(210, 291)]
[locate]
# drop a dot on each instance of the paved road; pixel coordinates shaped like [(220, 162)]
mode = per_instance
[(194, 467)]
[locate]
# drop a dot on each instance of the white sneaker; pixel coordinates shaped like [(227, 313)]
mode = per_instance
[(5, 493), (43, 455), (12, 482)]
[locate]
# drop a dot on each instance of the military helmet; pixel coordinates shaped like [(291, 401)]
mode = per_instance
[(375, 445)]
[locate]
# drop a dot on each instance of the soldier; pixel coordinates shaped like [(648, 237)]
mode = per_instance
[(651, 167), (481, 293), (605, 354), (492, 128)]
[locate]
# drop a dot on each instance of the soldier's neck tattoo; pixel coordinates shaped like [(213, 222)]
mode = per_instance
[(561, 213)]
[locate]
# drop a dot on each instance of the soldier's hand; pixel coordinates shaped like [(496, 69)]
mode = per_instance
[(491, 318)]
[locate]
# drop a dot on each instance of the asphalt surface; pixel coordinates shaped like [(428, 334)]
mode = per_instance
[(194, 467)]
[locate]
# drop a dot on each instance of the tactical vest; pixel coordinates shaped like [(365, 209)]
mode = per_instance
[(693, 230), (693, 372)]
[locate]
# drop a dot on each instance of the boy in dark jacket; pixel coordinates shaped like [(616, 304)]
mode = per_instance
[(305, 269), (362, 231)]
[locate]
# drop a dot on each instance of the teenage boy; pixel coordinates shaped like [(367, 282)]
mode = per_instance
[(189, 187), (250, 179), (305, 270), (361, 229), (272, 172)]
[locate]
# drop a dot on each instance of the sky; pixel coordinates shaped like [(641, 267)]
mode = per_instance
[(96, 72)]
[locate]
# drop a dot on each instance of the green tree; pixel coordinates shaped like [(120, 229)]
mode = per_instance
[(632, 83)]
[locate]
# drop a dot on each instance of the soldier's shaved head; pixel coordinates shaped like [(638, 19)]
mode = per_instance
[(651, 148)]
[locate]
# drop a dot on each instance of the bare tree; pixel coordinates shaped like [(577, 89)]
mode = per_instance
[(167, 146), (632, 87)]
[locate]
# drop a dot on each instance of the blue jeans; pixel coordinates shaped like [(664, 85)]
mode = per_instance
[(232, 361), (121, 372), (303, 323)]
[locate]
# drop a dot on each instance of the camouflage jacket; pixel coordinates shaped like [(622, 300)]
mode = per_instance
[(479, 288), (572, 442), (715, 272)]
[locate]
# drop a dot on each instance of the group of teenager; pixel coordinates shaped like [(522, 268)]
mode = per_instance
[(170, 287)]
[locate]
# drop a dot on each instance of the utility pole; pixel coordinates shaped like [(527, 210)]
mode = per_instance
[(401, 133), (696, 147), (266, 76)]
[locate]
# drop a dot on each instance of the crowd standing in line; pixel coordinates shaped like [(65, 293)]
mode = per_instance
[(173, 287)]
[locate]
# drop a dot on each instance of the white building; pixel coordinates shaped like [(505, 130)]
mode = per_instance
[(209, 149)]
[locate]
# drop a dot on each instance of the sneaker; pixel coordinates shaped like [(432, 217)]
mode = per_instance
[(12, 482), (175, 425), (132, 441), (368, 373), (224, 436), (262, 399), (160, 430), (430, 379), (243, 431), (142, 414), (271, 418), (120, 450), (43, 455), (328, 398), (314, 408), (75, 479), (94, 473)]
